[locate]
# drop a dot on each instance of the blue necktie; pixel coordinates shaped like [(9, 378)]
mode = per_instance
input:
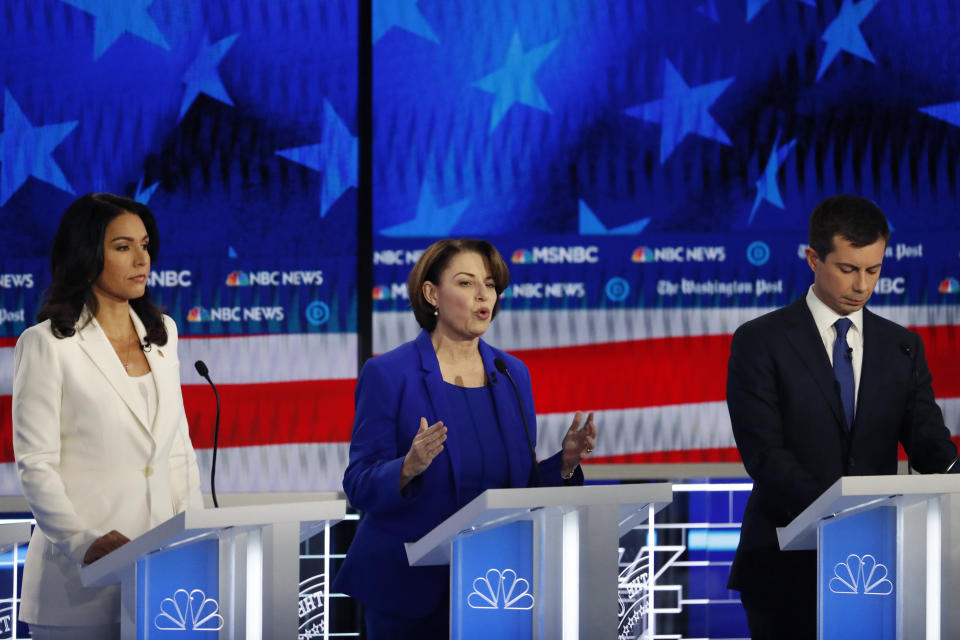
[(843, 368)]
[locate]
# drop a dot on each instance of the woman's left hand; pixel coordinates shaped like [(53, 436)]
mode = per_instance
[(578, 443)]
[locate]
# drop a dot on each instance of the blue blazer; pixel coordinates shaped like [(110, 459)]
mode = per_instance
[(393, 392)]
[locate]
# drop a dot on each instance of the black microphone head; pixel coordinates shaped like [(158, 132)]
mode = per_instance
[(500, 365), (201, 368)]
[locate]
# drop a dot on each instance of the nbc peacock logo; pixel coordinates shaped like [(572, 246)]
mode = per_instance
[(381, 292), (950, 285), (238, 279), (188, 611), (198, 314), (521, 256), (642, 254), (501, 590)]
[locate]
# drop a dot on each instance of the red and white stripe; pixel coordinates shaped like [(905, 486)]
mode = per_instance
[(655, 377), (287, 409)]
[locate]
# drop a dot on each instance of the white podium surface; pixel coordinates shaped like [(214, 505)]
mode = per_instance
[(861, 492), (259, 568), (13, 534), (928, 562), (581, 529), (499, 506)]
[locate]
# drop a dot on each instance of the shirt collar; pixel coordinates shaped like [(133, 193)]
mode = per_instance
[(824, 316)]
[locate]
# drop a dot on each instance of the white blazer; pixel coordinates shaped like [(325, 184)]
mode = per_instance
[(89, 462)]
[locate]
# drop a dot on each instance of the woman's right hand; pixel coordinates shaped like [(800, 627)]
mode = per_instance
[(427, 445), (103, 545)]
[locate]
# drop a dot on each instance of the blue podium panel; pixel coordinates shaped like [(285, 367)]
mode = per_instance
[(493, 593), (178, 592), (858, 576)]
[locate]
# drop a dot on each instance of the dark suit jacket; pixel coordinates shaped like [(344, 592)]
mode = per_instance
[(791, 432), (393, 391)]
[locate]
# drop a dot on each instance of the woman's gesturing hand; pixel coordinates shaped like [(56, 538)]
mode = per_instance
[(103, 545), (578, 443), (427, 445)]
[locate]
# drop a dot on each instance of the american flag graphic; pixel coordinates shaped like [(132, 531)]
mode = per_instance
[(646, 169)]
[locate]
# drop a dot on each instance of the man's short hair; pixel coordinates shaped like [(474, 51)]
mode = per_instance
[(858, 220)]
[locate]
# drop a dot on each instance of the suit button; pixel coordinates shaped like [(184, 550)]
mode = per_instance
[(148, 471)]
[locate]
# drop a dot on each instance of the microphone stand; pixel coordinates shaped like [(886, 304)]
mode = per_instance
[(502, 368), (205, 374)]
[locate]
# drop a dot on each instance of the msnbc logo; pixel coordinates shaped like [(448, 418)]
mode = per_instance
[(381, 292), (950, 285), (556, 255), (238, 279), (198, 314), (643, 254)]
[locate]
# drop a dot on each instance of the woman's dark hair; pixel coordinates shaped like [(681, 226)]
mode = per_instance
[(436, 258), (76, 261), (856, 219)]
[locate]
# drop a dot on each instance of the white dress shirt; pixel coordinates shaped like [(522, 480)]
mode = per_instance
[(825, 317), (147, 387)]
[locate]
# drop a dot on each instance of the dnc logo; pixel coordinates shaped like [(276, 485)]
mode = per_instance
[(758, 253), (950, 285), (643, 254), (861, 575), (198, 314), (500, 590), (188, 611)]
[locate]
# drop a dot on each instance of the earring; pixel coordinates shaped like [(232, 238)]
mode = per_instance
[(436, 311)]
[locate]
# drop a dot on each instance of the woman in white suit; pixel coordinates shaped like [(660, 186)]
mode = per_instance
[(99, 431)]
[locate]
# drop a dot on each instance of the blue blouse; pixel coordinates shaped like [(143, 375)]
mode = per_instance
[(483, 457)]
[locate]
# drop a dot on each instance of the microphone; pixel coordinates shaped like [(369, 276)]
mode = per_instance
[(849, 354), (201, 368), (145, 346), (502, 368)]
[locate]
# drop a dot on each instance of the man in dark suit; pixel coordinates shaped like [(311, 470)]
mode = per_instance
[(816, 390)]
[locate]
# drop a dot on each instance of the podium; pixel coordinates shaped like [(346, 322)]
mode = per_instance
[(231, 572), (885, 557), (537, 563), (13, 533)]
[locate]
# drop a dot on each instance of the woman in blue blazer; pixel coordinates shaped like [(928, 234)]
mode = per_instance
[(435, 426)]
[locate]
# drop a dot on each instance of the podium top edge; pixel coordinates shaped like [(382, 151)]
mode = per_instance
[(851, 492), (12, 533), (495, 504), (247, 515), (193, 522), (896, 484), (623, 494)]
